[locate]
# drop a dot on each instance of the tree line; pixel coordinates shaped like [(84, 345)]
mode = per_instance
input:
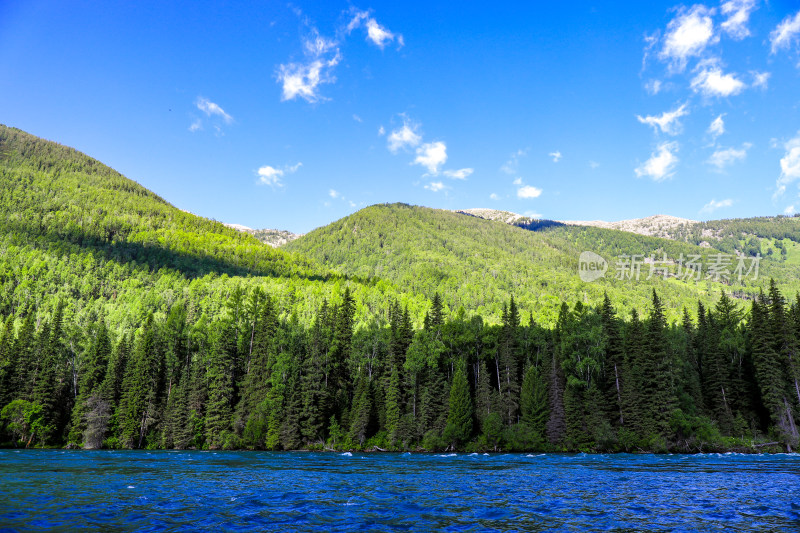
[(256, 378)]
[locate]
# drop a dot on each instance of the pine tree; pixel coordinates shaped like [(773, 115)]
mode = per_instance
[(614, 358), (557, 424), (220, 385), (633, 393), (9, 365), (533, 403), (460, 414), (140, 395), (509, 363), (361, 411), (657, 371), (393, 400), (255, 386), (92, 375)]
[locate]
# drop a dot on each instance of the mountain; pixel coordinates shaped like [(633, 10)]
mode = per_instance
[(495, 214), (656, 226), (272, 237), (476, 263), (778, 235), (128, 323), (73, 229)]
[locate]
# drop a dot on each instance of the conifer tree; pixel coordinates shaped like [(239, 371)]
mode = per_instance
[(460, 414), (533, 403), (657, 371), (137, 409)]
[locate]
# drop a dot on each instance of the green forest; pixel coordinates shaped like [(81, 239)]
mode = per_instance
[(254, 380), (126, 322)]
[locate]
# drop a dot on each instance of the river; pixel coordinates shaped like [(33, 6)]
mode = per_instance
[(198, 490)]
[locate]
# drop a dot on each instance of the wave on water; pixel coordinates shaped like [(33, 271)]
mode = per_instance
[(420, 492)]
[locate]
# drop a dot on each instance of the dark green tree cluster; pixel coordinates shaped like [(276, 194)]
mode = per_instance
[(257, 378)]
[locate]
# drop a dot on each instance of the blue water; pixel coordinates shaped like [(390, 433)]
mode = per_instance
[(154, 491)]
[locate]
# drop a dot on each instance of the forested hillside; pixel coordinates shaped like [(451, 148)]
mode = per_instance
[(776, 237), (128, 323), (476, 263)]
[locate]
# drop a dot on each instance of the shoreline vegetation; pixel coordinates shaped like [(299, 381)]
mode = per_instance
[(257, 379)]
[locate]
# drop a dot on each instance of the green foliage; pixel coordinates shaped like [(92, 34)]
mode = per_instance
[(127, 323)]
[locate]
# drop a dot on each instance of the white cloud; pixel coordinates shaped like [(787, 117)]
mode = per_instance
[(334, 193), (196, 125), (738, 12), (789, 210), (431, 156), (210, 108), (790, 165), (512, 165), (528, 192), (688, 35), (555, 155), (436, 186), (303, 79), (729, 156), (668, 122), (712, 82), (317, 45), (532, 214), (493, 196), (377, 34), (404, 137), (785, 33), (661, 164), (460, 174), (381, 131), (717, 127), (760, 79), (355, 22), (517, 181), (653, 86), (593, 164), (713, 205), (272, 176), (357, 118)]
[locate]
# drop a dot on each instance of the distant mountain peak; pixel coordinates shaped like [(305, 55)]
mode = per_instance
[(239, 227), (655, 225), (272, 237), (494, 214)]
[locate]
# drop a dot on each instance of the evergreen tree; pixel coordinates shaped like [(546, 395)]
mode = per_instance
[(460, 415)]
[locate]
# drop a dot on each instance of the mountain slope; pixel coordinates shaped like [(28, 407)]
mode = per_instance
[(477, 263), (778, 235), (73, 229), (656, 226)]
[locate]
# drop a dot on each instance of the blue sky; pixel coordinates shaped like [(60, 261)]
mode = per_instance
[(290, 116)]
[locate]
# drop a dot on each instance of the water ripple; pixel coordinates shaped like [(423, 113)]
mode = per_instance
[(189, 491)]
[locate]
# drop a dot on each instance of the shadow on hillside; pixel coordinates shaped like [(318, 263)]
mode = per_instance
[(191, 265), (539, 225)]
